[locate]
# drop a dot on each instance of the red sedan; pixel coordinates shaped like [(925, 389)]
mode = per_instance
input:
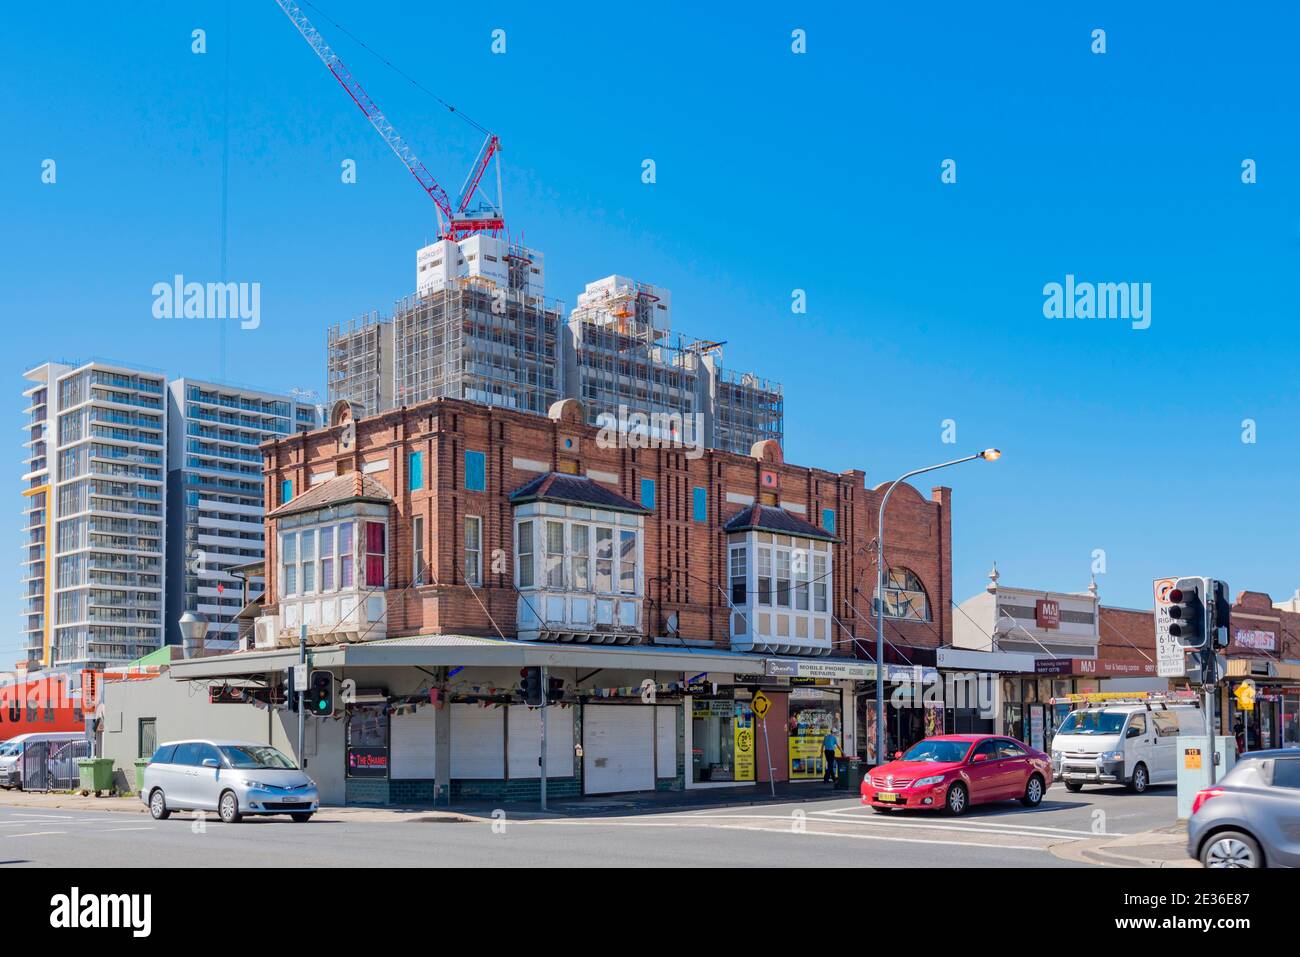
[(954, 771)]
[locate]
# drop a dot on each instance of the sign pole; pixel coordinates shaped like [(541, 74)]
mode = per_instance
[(542, 760), (302, 660)]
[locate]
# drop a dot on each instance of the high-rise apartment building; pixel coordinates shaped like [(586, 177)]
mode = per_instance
[(137, 501), (95, 472), (215, 497)]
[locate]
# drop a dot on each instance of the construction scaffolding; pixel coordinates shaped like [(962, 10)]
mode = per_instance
[(359, 364), (472, 340), (747, 409)]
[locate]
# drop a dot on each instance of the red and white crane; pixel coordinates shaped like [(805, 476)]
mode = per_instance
[(454, 222)]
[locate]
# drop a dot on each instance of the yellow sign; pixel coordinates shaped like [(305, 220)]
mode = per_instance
[(1192, 759), (1245, 693), (760, 704), (743, 728)]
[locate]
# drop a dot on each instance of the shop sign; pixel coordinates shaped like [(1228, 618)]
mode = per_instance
[(1054, 666), (818, 669), (1047, 613), (899, 674), (743, 729), (798, 681), (367, 762), (1255, 639)]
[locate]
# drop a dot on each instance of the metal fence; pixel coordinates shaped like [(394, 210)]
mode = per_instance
[(52, 765)]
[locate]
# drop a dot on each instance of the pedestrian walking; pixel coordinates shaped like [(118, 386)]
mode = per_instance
[(829, 745)]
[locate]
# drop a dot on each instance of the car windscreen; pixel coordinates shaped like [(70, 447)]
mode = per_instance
[(937, 751), (10, 748), (253, 756), (1093, 722)]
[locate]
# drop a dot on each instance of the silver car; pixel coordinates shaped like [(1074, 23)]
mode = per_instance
[(1252, 817), (233, 778)]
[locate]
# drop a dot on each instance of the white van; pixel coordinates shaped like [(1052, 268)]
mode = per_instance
[(1123, 743), (11, 753)]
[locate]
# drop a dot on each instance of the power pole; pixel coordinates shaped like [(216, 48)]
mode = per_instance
[(301, 689), (546, 700)]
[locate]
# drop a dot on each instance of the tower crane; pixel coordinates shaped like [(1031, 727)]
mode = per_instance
[(454, 221)]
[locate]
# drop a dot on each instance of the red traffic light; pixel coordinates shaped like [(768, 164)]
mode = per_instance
[(1175, 595)]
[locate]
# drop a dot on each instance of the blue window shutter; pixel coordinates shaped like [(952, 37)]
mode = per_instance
[(417, 470), (648, 494), (701, 504), (475, 471), (286, 491), (828, 520)]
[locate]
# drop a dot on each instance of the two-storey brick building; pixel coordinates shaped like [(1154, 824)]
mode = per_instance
[(430, 552)]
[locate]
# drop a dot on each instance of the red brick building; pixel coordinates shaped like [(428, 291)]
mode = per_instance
[(445, 473)]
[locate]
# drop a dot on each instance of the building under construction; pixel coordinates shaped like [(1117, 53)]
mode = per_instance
[(479, 328)]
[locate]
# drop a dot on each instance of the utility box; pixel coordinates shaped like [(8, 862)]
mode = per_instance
[(1194, 766)]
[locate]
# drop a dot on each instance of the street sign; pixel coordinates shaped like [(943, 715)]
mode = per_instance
[(1169, 653), (299, 678), (760, 704)]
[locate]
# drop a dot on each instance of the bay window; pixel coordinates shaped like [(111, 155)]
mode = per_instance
[(780, 591)]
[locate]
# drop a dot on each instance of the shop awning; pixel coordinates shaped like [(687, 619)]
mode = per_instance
[(470, 651)]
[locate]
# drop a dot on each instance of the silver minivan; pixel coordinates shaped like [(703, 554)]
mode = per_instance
[(233, 778)]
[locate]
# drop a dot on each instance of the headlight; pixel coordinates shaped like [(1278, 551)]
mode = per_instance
[(927, 782), (1112, 755), (256, 784)]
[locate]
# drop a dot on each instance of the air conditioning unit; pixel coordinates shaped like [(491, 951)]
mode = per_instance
[(266, 630)]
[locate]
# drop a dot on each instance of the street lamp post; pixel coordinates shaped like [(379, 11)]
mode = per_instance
[(988, 455)]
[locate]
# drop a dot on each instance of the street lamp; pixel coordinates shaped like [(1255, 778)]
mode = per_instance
[(194, 628), (988, 455)]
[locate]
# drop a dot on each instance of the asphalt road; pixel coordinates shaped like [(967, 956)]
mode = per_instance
[(837, 832)]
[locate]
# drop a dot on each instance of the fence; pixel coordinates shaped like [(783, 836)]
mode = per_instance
[(52, 765)]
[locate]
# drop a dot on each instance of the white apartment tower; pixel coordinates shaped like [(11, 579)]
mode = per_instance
[(93, 570), (215, 498)]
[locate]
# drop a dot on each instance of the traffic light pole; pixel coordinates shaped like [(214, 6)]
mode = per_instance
[(546, 700), (302, 693)]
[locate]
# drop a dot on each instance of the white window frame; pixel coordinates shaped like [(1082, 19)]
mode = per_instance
[(476, 566), (531, 552), (417, 550)]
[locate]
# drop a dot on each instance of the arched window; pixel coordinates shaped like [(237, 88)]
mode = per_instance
[(905, 596)]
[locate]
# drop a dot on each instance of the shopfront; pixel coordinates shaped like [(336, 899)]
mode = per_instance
[(721, 738), (1027, 710), (814, 713), (914, 709), (1267, 714)]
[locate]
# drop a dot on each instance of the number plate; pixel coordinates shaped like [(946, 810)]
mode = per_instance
[(886, 796)]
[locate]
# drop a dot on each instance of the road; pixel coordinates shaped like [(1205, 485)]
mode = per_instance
[(837, 832)]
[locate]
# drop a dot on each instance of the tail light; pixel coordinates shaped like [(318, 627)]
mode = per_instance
[(1203, 796)]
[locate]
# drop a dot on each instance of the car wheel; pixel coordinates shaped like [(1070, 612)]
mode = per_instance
[(1231, 849), (957, 799), (1140, 779), (228, 808), (158, 806), (301, 818), (1075, 786), (1033, 791)]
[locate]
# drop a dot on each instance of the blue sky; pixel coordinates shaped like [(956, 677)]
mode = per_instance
[(775, 172)]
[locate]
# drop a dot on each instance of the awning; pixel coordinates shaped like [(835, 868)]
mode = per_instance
[(431, 651)]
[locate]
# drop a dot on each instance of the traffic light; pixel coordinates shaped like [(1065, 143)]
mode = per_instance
[(1187, 618), (320, 694), (554, 690), (1219, 607), (531, 687)]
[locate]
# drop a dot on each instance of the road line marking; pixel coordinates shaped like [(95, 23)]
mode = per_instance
[(975, 825), (107, 829), (886, 825), (36, 834)]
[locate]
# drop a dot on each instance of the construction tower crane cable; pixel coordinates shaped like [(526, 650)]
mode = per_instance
[(453, 224), (396, 69)]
